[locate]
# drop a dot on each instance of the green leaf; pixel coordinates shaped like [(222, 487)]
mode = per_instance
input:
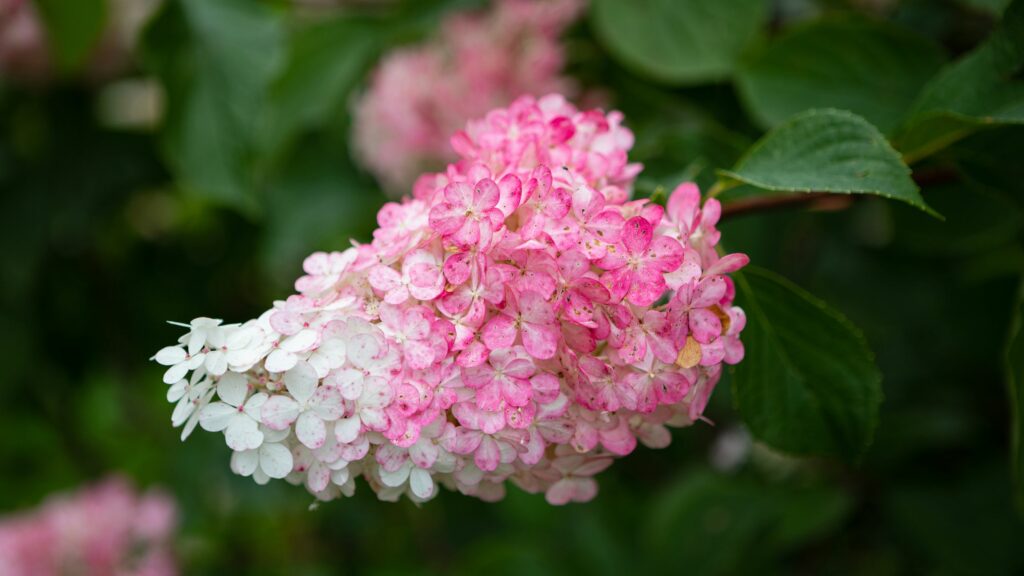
[(217, 59), (73, 29), (808, 384), (702, 519), (1015, 383), (678, 42), (981, 89), (869, 68), (827, 151), (325, 62)]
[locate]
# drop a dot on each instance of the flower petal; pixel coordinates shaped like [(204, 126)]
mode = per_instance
[(275, 460), (310, 430)]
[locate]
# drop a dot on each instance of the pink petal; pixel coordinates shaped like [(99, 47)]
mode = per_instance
[(540, 341), (499, 332), (515, 391), (446, 218), (471, 232), (665, 254), (636, 235), (457, 267), (607, 226), (705, 325), (646, 287), (459, 195), (385, 278), (728, 264), (511, 194), (488, 455), (672, 387), (487, 195), (712, 353), (709, 292), (619, 440), (418, 354), (684, 204), (535, 309)]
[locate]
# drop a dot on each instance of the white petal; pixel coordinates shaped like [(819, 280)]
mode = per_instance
[(232, 388), (216, 362), (347, 429), (362, 349), (301, 382), (215, 337), (182, 410), (320, 364), (310, 430), (340, 477), (241, 338), (175, 373), (333, 351), (271, 435), (349, 381), (242, 360), (275, 460), (196, 342), (396, 478), (170, 355), (190, 426), (254, 406), (374, 418), (279, 412), (300, 341), (280, 361), (243, 433), (422, 483), (328, 404), (244, 463), (217, 416), (260, 477), (177, 390), (318, 478)]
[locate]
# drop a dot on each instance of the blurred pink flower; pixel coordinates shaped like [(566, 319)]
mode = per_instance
[(420, 95), (24, 46), (107, 529)]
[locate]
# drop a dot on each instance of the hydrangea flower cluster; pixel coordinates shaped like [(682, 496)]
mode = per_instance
[(100, 530), (420, 95), (517, 318)]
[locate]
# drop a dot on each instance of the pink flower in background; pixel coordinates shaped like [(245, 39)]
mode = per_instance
[(517, 320), (101, 530), (420, 95), (24, 46)]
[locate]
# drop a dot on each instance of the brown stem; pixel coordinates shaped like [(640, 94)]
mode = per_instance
[(765, 203)]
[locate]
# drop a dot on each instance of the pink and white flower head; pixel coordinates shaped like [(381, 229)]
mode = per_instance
[(420, 95), (518, 319), (104, 529)]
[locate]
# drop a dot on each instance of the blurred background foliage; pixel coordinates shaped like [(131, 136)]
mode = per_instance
[(116, 219)]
